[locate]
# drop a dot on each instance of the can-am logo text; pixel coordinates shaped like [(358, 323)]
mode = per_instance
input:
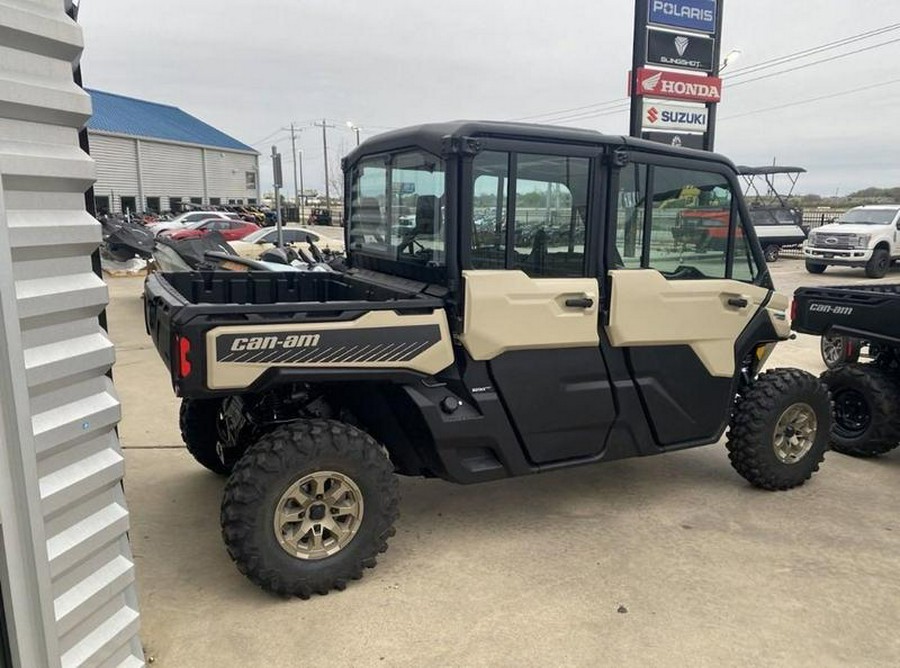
[(282, 342)]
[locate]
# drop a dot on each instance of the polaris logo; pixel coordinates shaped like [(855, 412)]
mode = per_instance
[(830, 308), (680, 11), (280, 342)]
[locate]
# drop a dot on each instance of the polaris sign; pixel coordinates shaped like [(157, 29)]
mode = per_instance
[(661, 115), (699, 15)]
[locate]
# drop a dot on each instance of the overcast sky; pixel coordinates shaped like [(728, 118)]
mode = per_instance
[(250, 67)]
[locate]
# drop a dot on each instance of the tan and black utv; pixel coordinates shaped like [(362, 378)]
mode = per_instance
[(513, 301)]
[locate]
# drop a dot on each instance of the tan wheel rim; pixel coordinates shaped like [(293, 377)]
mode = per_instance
[(795, 433), (318, 515)]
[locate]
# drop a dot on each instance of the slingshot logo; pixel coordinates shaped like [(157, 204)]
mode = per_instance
[(681, 44)]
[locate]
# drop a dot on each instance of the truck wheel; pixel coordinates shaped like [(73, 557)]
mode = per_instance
[(772, 252), (837, 349), (308, 507), (198, 419), (779, 429), (878, 264), (815, 267), (865, 397)]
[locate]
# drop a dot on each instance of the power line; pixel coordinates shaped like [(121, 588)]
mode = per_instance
[(612, 106), (267, 137), (813, 99)]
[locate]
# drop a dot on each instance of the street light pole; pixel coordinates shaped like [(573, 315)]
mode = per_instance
[(355, 128), (302, 199), (294, 156)]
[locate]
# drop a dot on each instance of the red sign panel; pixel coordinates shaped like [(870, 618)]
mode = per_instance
[(678, 86)]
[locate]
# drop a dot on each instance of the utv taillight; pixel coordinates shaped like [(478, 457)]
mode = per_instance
[(184, 364), (793, 310)]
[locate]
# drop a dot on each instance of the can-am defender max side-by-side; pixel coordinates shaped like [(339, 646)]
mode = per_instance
[(513, 301)]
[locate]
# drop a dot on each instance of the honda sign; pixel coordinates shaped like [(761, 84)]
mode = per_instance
[(659, 83), (680, 50), (662, 115)]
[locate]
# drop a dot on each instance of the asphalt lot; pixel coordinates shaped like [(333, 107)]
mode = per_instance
[(662, 561)]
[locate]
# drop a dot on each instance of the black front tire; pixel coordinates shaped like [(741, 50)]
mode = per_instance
[(752, 436), (866, 418), (255, 492), (878, 264), (772, 252), (199, 419), (815, 267)]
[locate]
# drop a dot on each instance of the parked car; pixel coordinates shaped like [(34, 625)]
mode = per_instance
[(182, 221), (319, 217), (257, 243), (232, 230), (865, 236)]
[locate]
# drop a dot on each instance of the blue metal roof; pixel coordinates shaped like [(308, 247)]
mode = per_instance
[(140, 118)]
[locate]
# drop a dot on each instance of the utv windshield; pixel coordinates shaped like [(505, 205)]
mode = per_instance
[(397, 208), (868, 216)]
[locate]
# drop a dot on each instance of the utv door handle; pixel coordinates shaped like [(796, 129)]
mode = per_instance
[(738, 302), (580, 302)]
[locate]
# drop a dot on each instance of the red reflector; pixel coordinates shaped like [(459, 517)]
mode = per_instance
[(793, 309), (184, 365)]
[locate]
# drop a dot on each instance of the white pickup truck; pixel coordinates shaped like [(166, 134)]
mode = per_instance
[(865, 236)]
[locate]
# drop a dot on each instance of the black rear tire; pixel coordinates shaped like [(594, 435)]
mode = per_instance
[(254, 501), (772, 252), (866, 418), (878, 264), (815, 267), (199, 419), (756, 436)]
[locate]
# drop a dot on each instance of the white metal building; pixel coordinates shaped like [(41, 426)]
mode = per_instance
[(154, 157)]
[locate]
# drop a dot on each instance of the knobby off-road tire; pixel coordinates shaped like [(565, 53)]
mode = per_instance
[(866, 404), (198, 419), (273, 500), (779, 429), (879, 263)]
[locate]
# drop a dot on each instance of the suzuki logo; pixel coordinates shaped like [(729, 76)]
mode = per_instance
[(681, 44), (652, 115), (650, 83)]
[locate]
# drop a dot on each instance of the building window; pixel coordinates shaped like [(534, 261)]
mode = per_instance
[(175, 204), (215, 201), (250, 178), (196, 200), (101, 205), (153, 204), (231, 201), (129, 204), (251, 200)]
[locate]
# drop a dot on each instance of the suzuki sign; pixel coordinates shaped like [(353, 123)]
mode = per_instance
[(699, 15), (674, 85), (662, 115), (684, 51)]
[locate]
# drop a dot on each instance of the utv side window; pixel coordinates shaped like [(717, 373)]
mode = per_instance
[(549, 209), (690, 217)]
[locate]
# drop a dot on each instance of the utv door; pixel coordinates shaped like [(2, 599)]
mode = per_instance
[(531, 301), (684, 287)]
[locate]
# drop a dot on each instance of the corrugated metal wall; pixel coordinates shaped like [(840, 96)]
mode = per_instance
[(226, 174), (117, 168), (167, 170), (67, 570)]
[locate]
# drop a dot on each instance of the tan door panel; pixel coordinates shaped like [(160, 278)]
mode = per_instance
[(648, 310), (508, 310)]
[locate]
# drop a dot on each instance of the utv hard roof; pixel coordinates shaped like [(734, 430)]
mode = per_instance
[(430, 137)]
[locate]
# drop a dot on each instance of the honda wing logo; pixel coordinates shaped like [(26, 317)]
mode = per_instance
[(652, 115), (681, 44), (650, 83)]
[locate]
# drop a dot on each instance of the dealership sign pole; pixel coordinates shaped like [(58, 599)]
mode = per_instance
[(674, 84)]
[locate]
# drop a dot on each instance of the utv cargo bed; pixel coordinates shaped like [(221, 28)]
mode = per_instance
[(870, 312)]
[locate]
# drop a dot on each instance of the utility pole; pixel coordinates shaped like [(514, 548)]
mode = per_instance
[(302, 199), (294, 156), (325, 125), (277, 183)]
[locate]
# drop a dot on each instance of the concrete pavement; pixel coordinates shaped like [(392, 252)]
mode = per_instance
[(662, 561)]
